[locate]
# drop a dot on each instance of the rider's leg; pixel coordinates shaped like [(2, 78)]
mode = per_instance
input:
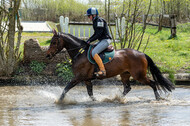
[(98, 49), (100, 64)]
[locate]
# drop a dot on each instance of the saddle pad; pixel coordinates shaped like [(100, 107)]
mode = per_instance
[(108, 56)]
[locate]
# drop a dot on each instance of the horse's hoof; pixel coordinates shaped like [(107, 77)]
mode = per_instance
[(58, 101), (158, 98), (123, 95), (93, 99)]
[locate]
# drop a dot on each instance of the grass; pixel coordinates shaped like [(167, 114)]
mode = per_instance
[(43, 38), (171, 55)]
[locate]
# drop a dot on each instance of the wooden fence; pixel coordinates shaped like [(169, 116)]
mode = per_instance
[(85, 30), (164, 20)]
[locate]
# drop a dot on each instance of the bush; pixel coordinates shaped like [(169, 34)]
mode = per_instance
[(37, 67), (64, 70)]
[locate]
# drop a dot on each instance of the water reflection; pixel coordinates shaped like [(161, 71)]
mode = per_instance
[(35, 105)]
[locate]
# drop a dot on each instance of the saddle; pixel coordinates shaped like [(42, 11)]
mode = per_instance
[(107, 55)]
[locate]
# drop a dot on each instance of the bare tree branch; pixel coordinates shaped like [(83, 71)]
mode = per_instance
[(8, 53)]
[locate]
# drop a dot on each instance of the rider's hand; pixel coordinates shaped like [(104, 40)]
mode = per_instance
[(88, 42)]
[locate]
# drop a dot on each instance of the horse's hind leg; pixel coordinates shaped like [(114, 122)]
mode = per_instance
[(139, 72), (89, 88), (152, 84), (125, 80)]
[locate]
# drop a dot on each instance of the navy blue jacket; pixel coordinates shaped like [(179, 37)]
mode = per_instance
[(100, 30)]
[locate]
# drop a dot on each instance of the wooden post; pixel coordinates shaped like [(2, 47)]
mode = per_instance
[(173, 25), (66, 25), (61, 22), (117, 27), (123, 27), (160, 22)]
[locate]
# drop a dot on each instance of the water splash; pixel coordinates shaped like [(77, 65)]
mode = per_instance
[(115, 99), (48, 94), (66, 101), (113, 95)]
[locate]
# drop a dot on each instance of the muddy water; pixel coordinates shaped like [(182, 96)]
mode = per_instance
[(36, 106)]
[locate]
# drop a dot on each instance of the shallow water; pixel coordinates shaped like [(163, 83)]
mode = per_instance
[(36, 106)]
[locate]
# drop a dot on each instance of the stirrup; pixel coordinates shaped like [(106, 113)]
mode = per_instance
[(100, 73)]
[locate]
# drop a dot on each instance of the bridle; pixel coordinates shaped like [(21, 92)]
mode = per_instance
[(82, 48), (58, 38)]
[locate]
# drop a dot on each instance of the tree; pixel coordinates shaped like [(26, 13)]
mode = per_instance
[(131, 10), (50, 10), (9, 47)]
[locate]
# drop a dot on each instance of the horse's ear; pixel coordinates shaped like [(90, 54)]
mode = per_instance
[(54, 32)]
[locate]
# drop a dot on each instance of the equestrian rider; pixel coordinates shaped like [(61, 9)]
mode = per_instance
[(101, 33)]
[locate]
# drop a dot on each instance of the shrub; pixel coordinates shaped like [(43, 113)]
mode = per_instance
[(37, 67), (64, 70)]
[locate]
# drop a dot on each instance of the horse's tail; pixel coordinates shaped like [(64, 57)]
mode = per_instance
[(160, 80)]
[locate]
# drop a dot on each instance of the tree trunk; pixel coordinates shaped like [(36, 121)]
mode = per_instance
[(8, 51), (106, 12), (178, 11), (173, 25), (10, 47), (160, 22)]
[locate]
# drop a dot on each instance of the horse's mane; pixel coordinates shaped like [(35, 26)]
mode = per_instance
[(73, 38)]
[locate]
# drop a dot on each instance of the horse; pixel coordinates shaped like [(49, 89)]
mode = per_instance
[(126, 63)]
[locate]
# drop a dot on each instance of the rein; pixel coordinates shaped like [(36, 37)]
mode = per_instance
[(81, 48), (76, 48)]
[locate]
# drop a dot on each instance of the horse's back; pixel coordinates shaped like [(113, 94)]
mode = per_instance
[(131, 60), (130, 53)]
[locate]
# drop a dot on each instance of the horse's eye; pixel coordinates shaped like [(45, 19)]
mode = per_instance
[(53, 43)]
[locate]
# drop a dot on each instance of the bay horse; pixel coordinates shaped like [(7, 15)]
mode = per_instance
[(126, 62)]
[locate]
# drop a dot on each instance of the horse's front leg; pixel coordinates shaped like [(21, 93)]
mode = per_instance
[(126, 84), (89, 88), (70, 85)]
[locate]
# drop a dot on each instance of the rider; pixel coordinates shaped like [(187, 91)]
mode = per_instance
[(101, 33)]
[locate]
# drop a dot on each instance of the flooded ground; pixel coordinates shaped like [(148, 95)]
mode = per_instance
[(35, 106)]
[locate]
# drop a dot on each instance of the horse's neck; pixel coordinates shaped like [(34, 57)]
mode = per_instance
[(72, 46)]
